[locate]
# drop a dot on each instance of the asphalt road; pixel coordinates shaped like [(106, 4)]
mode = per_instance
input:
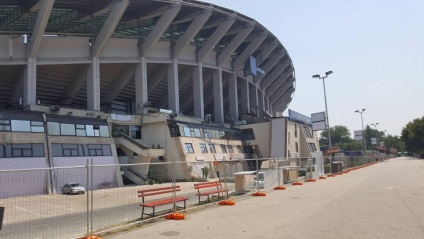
[(381, 201)]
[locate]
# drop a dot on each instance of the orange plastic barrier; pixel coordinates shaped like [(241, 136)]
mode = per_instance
[(311, 180), (297, 183), (91, 237), (260, 194), (175, 216), (322, 177), (280, 188), (227, 203)]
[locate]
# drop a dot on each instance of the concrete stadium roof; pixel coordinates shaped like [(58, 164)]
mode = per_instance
[(194, 31)]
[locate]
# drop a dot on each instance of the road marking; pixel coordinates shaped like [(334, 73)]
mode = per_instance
[(70, 209), (29, 211)]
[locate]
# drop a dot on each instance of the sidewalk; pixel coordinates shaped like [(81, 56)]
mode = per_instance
[(374, 202)]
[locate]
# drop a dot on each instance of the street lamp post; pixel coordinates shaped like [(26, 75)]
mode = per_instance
[(376, 135), (363, 137), (325, 100)]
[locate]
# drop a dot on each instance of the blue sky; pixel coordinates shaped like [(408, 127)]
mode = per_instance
[(375, 49)]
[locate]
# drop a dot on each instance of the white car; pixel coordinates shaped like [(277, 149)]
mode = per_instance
[(73, 188)]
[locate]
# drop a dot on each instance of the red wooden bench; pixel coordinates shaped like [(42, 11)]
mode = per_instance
[(209, 188), (160, 201)]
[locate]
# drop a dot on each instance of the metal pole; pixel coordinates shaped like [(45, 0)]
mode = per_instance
[(363, 136), (173, 184), (326, 113), (278, 170), (92, 200), (225, 177), (88, 198), (257, 174)]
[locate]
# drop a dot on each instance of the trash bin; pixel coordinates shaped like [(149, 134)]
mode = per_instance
[(1, 216), (336, 167)]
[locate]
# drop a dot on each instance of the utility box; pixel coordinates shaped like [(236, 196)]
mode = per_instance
[(336, 167)]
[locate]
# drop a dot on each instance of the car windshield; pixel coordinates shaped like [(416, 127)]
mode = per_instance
[(74, 184)]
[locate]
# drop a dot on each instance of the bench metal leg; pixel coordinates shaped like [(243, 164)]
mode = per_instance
[(142, 212)]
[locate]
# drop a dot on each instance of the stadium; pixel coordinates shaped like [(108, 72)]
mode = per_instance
[(138, 81)]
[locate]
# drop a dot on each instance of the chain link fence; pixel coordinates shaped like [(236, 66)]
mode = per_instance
[(114, 194)]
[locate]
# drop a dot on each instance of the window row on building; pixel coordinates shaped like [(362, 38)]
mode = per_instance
[(308, 132), (200, 131), (55, 128), (204, 148), (80, 150), (21, 150)]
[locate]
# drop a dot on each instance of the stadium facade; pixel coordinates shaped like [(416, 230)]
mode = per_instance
[(138, 81)]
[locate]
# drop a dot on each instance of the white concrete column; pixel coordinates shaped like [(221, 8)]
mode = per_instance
[(261, 102), (30, 83), (253, 97), (141, 95), (173, 89), (232, 86), (93, 85), (218, 96), (245, 102), (199, 108)]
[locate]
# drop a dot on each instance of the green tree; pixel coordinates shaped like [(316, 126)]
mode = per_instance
[(413, 135), (340, 135)]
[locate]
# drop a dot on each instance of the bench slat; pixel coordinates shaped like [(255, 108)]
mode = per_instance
[(157, 189), (158, 193), (163, 202)]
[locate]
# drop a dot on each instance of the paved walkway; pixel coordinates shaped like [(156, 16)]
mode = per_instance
[(381, 201)]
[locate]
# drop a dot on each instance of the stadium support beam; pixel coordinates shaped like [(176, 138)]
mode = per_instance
[(199, 106), (237, 40), (191, 31), (283, 105), (109, 26), (182, 78), (276, 72), (17, 88), (156, 77), (188, 98), (216, 36), (265, 52), (253, 45), (282, 79), (119, 83), (173, 89), (244, 94), (269, 65), (253, 96), (232, 87), (160, 28), (30, 83), (76, 84), (282, 88), (283, 97), (39, 28), (93, 85), (218, 96), (141, 90), (261, 103)]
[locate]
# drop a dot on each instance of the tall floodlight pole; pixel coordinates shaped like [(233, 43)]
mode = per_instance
[(326, 109), (376, 135), (363, 136)]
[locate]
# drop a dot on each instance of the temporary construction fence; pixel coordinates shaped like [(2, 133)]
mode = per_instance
[(113, 202)]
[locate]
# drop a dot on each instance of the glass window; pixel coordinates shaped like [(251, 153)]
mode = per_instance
[(212, 148), (95, 150), (189, 148), (203, 148), (70, 150), (53, 128), (135, 132), (104, 131), (106, 150), (248, 134), (240, 149), (4, 122), (205, 133), (187, 132), (223, 148), (297, 147), (295, 131), (21, 126), (4, 127), (230, 149), (67, 129), (90, 130), (57, 150), (197, 133), (38, 150)]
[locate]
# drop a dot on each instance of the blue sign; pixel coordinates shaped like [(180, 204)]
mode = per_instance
[(298, 117), (253, 68)]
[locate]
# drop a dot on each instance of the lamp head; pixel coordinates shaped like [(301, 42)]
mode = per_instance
[(315, 76), (328, 73), (357, 111), (363, 110)]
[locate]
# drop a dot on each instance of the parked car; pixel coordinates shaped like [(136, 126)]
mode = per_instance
[(73, 188)]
